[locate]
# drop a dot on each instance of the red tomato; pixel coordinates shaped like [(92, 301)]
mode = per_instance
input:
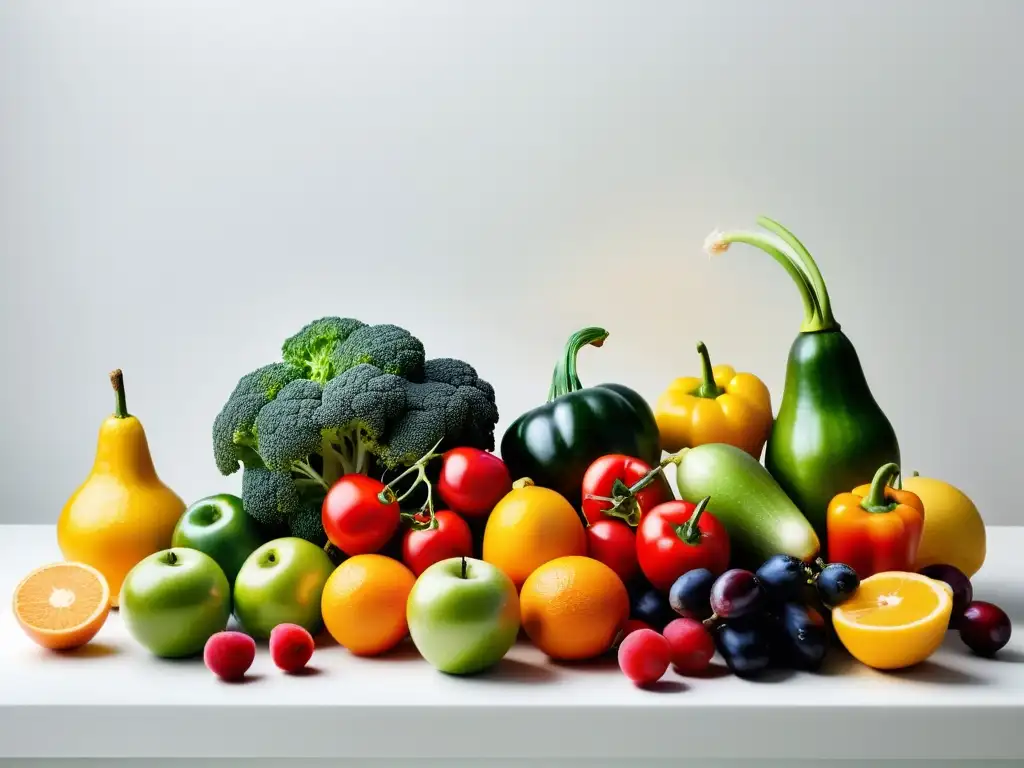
[(355, 519), (613, 543), (599, 481), (677, 537), (472, 481), (452, 538)]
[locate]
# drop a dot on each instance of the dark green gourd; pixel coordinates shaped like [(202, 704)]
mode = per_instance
[(830, 434)]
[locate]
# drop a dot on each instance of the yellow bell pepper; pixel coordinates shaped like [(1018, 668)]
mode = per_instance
[(720, 406)]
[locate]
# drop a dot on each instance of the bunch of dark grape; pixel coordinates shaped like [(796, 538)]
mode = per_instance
[(777, 616)]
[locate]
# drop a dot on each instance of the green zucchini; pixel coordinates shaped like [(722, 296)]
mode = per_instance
[(760, 518)]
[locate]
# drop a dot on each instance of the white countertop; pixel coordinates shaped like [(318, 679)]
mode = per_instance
[(111, 699)]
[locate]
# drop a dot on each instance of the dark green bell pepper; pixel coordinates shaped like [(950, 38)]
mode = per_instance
[(554, 443)]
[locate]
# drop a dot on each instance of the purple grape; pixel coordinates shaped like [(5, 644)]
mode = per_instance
[(736, 593), (984, 628), (963, 592)]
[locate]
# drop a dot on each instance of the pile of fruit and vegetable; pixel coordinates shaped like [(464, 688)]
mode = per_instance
[(378, 507)]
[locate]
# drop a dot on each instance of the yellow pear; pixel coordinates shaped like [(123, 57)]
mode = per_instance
[(123, 512)]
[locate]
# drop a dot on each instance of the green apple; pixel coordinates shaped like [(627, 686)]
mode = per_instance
[(463, 615), (282, 582), (173, 601), (219, 526)]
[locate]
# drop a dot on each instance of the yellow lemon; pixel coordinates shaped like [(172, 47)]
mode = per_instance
[(894, 619), (954, 533)]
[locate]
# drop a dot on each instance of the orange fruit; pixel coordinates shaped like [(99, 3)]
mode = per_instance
[(573, 608), (529, 527), (363, 604), (62, 605), (894, 619)]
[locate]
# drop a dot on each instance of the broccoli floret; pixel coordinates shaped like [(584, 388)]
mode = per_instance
[(314, 349), (348, 397), (392, 349), (273, 498), (234, 428), (288, 434)]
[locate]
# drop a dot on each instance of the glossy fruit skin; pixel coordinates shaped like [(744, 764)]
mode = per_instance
[(736, 593), (984, 628), (954, 532), (229, 655), (531, 526), (644, 656), (836, 583), (219, 526), (760, 518), (451, 538), (745, 647), (963, 591), (122, 512), (600, 480), (281, 583), (783, 577), (664, 552), (614, 544), (554, 443), (830, 434), (364, 604), (355, 519), (690, 595), (291, 647), (573, 608), (174, 600), (691, 644), (651, 607), (463, 621), (472, 481), (632, 626), (802, 636)]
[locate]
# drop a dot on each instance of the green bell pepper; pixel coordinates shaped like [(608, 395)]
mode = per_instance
[(553, 444)]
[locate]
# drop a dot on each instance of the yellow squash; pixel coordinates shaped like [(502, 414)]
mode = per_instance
[(122, 512), (954, 533), (720, 406)]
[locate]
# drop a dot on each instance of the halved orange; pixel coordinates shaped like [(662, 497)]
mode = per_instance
[(62, 605), (895, 619)]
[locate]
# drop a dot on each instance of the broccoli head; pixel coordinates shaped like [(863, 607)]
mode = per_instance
[(349, 397)]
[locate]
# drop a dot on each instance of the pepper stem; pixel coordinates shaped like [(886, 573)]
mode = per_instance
[(718, 242), (707, 387), (689, 531), (875, 501), (564, 379)]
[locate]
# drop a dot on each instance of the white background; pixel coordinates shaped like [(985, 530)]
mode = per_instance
[(184, 184)]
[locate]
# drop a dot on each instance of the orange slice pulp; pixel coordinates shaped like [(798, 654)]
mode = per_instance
[(62, 605)]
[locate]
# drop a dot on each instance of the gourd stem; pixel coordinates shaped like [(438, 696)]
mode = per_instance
[(718, 242), (120, 405), (564, 379), (820, 291)]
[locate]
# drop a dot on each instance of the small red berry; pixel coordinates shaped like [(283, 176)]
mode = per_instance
[(691, 645), (291, 647), (644, 656), (229, 654)]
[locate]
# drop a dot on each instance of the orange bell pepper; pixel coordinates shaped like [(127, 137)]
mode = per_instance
[(875, 527)]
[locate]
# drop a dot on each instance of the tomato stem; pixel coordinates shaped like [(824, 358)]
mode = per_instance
[(689, 531)]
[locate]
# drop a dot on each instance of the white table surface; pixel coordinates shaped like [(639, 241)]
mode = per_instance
[(111, 699)]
